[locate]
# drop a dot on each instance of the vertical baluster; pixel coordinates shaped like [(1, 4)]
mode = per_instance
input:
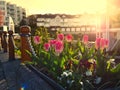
[(25, 33), (5, 41), (1, 36), (11, 46)]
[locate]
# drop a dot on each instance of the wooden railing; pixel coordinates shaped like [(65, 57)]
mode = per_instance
[(3, 36), (8, 44)]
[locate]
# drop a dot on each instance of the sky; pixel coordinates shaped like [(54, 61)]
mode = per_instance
[(61, 6)]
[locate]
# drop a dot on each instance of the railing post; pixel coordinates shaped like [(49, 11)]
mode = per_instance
[(5, 41), (1, 42), (11, 46), (25, 33)]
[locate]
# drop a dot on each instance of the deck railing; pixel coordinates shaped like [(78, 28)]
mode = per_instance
[(8, 43)]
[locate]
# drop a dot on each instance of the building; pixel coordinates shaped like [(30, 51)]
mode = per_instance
[(11, 10), (63, 20)]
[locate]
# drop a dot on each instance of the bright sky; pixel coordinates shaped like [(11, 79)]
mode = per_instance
[(61, 6)]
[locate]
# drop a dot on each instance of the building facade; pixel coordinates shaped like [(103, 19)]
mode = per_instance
[(11, 10), (65, 20)]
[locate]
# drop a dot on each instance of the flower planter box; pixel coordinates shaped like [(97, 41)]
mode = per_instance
[(55, 85), (75, 65)]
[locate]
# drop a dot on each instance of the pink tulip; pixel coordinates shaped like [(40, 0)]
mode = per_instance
[(59, 47), (69, 38), (85, 39), (36, 39), (106, 43), (97, 43), (47, 46), (52, 42), (60, 37), (102, 43)]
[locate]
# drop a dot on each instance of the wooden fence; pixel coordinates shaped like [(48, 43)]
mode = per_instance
[(8, 44)]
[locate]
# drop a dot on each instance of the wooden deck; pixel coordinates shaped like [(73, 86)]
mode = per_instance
[(13, 75), (3, 82)]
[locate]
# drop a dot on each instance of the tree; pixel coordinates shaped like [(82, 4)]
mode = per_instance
[(24, 21), (32, 23)]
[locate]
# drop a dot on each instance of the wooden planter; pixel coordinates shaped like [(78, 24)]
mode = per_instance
[(55, 85)]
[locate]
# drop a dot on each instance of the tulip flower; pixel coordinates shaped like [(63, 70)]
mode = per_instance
[(97, 43), (47, 46), (102, 43), (58, 47), (60, 37), (85, 39), (36, 39), (52, 42), (106, 43), (69, 38)]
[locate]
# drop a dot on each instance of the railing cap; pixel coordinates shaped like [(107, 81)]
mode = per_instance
[(25, 29), (10, 32), (5, 32)]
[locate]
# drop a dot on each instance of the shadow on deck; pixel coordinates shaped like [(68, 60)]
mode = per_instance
[(14, 76)]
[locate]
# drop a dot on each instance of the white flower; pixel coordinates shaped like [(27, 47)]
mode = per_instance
[(70, 73), (88, 73), (64, 74)]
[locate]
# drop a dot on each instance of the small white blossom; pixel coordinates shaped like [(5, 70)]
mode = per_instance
[(70, 73), (64, 74), (88, 73)]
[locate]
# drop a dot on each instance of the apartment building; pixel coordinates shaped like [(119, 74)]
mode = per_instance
[(11, 10)]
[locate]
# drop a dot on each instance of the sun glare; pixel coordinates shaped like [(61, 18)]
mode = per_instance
[(62, 6)]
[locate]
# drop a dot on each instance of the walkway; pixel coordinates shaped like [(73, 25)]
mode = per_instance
[(3, 82), (14, 76)]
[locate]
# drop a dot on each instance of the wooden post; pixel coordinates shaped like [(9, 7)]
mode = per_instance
[(1, 36), (11, 46), (25, 33), (5, 41)]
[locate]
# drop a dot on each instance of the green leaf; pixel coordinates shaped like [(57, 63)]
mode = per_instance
[(75, 61), (116, 69), (62, 62)]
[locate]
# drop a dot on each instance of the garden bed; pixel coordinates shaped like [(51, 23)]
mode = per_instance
[(75, 65), (46, 76)]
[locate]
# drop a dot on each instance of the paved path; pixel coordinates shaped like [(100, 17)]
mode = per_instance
[(3, 82), (13, 75), (3, 56)]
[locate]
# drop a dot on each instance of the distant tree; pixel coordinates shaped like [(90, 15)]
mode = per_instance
[(24, 21), (32, 23)]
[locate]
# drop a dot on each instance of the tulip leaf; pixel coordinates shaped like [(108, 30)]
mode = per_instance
[(116, 69)]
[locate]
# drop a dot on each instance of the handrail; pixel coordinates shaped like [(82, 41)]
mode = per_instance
[(5, 41), (11, 46), (1, 36), (25, 43)]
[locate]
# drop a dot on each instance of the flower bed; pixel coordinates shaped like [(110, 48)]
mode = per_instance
[(76, 65)]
